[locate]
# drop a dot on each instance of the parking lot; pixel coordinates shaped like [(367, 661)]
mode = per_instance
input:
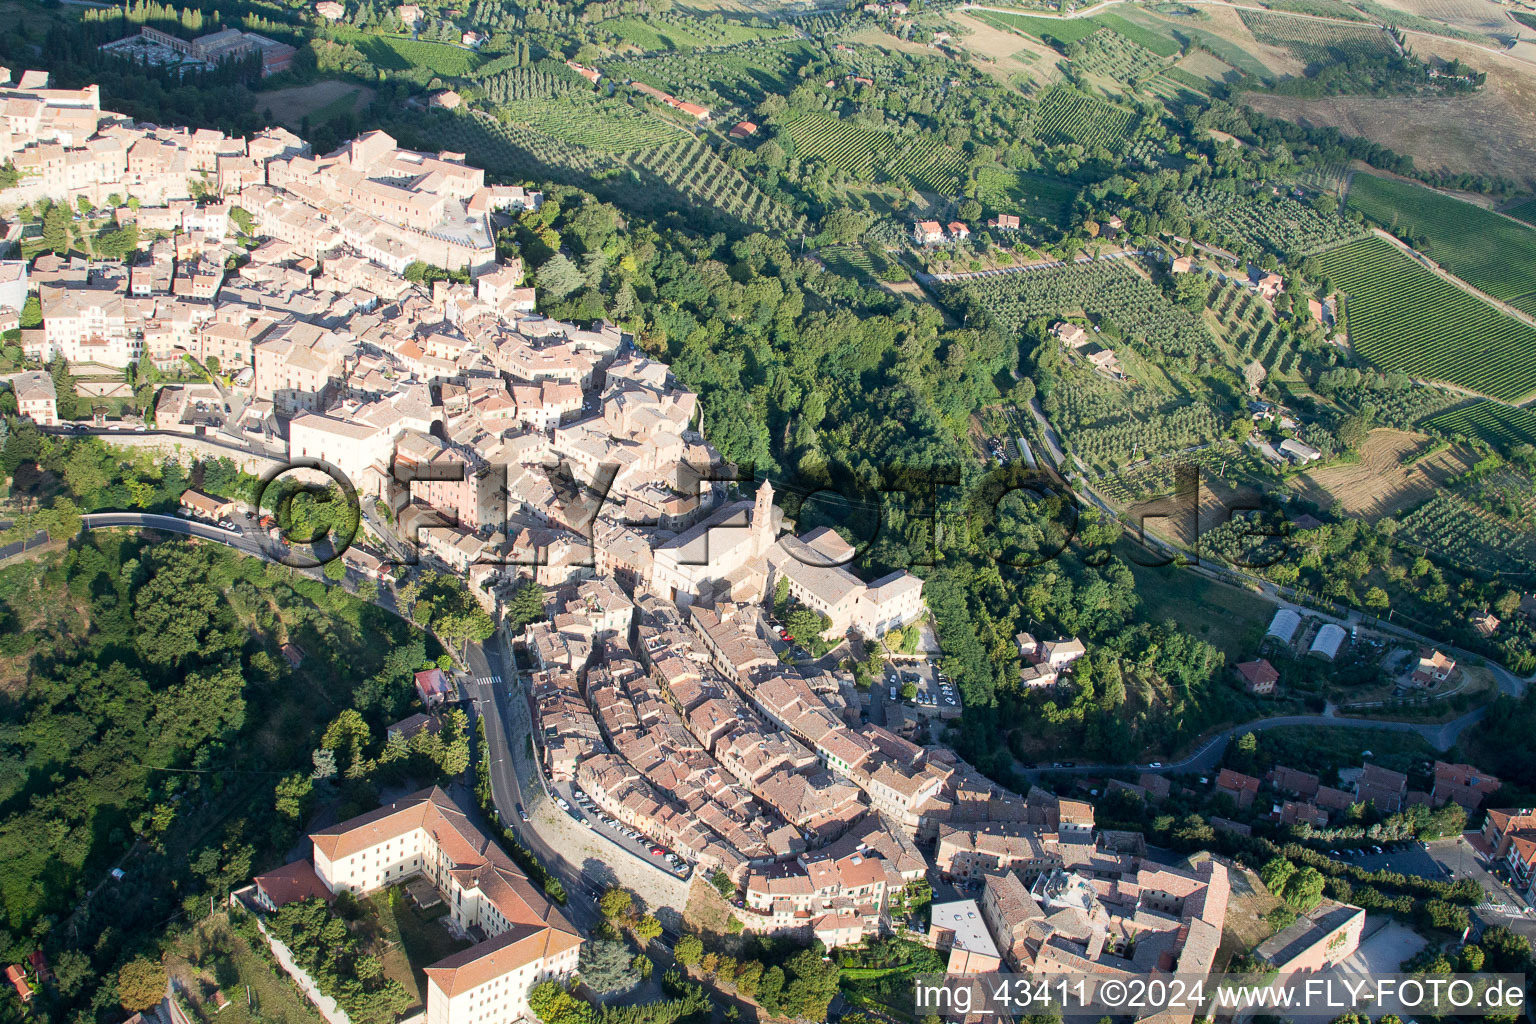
[(934, 695), (1408, 858), (1444, 860), (581, 810)]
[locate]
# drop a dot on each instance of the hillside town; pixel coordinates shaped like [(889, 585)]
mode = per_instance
[(663, 690)]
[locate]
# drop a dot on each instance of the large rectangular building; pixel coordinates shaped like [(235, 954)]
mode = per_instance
[(426, 834)]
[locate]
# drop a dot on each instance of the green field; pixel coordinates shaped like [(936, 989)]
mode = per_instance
[(1502, 426), (1489, 252), (1232, 619), (395, 53), (1161, 43), (1008, 191), (1404, 317), (1063, 30), (1525, 211), (651, 33)]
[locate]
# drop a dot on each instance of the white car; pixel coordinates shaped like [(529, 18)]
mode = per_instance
[(563, 805)]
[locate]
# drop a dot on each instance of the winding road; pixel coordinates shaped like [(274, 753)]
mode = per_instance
[(493, 695), (1205, 759)]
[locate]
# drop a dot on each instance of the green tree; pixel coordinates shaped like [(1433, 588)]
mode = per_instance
[(141, 984), (1304, 889), (616, 903), (176, 609), (526, 605), (688, 951), (647, 928), (292, 793), (335, 570), (56, 233), (606, 966)]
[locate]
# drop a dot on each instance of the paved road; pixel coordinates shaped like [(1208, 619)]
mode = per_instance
[(584, 861), (584, 864), (1205, 759), (23, 546), (1052, 441)]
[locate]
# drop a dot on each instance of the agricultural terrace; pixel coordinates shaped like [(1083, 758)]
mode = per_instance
[(1502, 426), (1248, 326), (840, 144), (543, 81), (1261, 220), (1319, 43), (677, 33), (871, 155), (1458, 531), (1489, 252), (684, 174), (1108, 425), (609, 125), (1065, 115), (1318, 9), (1525, 211), (1112, 292), (1111, 55), (1403, 316), (739, 77)]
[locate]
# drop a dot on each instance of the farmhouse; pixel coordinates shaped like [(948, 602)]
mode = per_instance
[(1070, 335), (1433, 668), (1485, 623), (743, 130), (1269, 285), (928, 232), (330, 10), (1259, 677), (590, 74), (1106, 362), (692, 109), (1004, 222), (958, 231)]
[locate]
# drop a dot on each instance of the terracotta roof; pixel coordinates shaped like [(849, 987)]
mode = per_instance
[(292, 882), (518, 945)]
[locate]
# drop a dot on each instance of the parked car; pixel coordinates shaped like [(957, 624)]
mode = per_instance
[(657, 851), (563, 805), (522, 813)]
